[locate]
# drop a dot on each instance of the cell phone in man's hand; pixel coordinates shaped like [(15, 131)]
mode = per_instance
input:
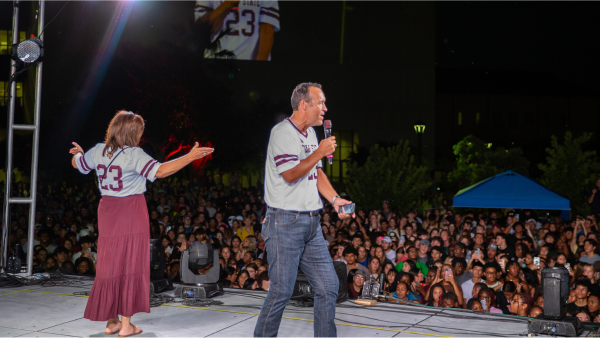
[(348, 209)]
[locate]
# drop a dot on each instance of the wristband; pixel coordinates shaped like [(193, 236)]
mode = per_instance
[(333, 199)]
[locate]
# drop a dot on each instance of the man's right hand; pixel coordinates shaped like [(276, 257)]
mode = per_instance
[(327, 146), (594, 191)]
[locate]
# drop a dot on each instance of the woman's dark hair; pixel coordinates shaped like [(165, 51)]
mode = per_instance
[(509, 287), (414, 272), (471, 302), (351, 275), (411, 263), (430, 297), (240, 275), (583, 310), (228, 271), (406, 285), (248, 283), (125, 129), (81, 260), (530, 277), (236, 237), (511, 263), (165, 237), (524, 249)]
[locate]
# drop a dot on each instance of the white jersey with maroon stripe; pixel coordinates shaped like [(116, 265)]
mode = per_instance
[(287, 147), (126, 175), (244, 25)]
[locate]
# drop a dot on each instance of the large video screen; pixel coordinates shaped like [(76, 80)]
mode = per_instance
[(242, 30)]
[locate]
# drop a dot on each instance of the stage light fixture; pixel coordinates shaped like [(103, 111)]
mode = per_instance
[(200, 270), (28, 51)]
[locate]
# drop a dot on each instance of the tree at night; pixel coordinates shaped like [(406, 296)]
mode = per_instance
[(571, 171), (389, 174), (475, 161)]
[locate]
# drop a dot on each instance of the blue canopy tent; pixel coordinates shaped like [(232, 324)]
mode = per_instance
[(510, 190)]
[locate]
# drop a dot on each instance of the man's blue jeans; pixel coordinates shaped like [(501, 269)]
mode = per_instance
[(295, 239)]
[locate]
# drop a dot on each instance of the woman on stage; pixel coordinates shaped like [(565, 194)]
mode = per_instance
[(122, 283)]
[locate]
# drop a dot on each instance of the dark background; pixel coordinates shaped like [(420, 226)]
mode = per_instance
[(529, 69)]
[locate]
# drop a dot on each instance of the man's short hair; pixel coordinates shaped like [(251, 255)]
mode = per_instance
[(503, 235), (302, 92), (591, 241), (59, 250), (44, 231), (438, 249), (462, 246), (475, 264), (199, 231), (252, 253), (490, 265), (527, 239), (350, 250), (86, 239), (263, 276), (357, 236), (451, 296), (459, 260), (582, 282)]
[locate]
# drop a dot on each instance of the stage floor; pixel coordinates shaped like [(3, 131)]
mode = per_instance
[(38, 311)]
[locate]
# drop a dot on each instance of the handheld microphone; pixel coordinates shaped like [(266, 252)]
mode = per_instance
[(327, 128)]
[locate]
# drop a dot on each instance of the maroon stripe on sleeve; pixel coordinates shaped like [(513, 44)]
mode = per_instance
[(150, 169), (284, 161), (146, 166), (270, 14), (85, 163), (82, 165), (284, 156)]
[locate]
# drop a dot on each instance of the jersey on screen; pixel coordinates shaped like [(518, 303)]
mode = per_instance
[(243, 25)]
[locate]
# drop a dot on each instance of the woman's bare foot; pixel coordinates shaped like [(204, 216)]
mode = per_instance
[(113, 326), (130, 330)]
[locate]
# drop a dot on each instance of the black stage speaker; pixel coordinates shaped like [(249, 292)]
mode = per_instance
[(158, 265), (555, 288), (567, 327), (303, 288), (340, 270)]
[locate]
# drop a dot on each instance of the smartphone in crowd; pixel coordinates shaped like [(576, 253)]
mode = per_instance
[(568, 266), (402, 239), (88, 250), (169, 228), (448, 273), (536, 261), (477, 251), (348, 209)]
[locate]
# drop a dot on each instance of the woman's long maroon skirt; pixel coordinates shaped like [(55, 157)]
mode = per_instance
[(122, 284)]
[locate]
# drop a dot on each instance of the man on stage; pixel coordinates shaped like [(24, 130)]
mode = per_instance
[(291, 229)]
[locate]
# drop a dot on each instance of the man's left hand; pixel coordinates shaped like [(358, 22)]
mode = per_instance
[(340, 202)]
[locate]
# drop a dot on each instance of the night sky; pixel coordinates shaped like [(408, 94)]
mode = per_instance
[(559, 38)]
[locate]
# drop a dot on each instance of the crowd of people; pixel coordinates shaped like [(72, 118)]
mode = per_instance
[(442, 258)]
